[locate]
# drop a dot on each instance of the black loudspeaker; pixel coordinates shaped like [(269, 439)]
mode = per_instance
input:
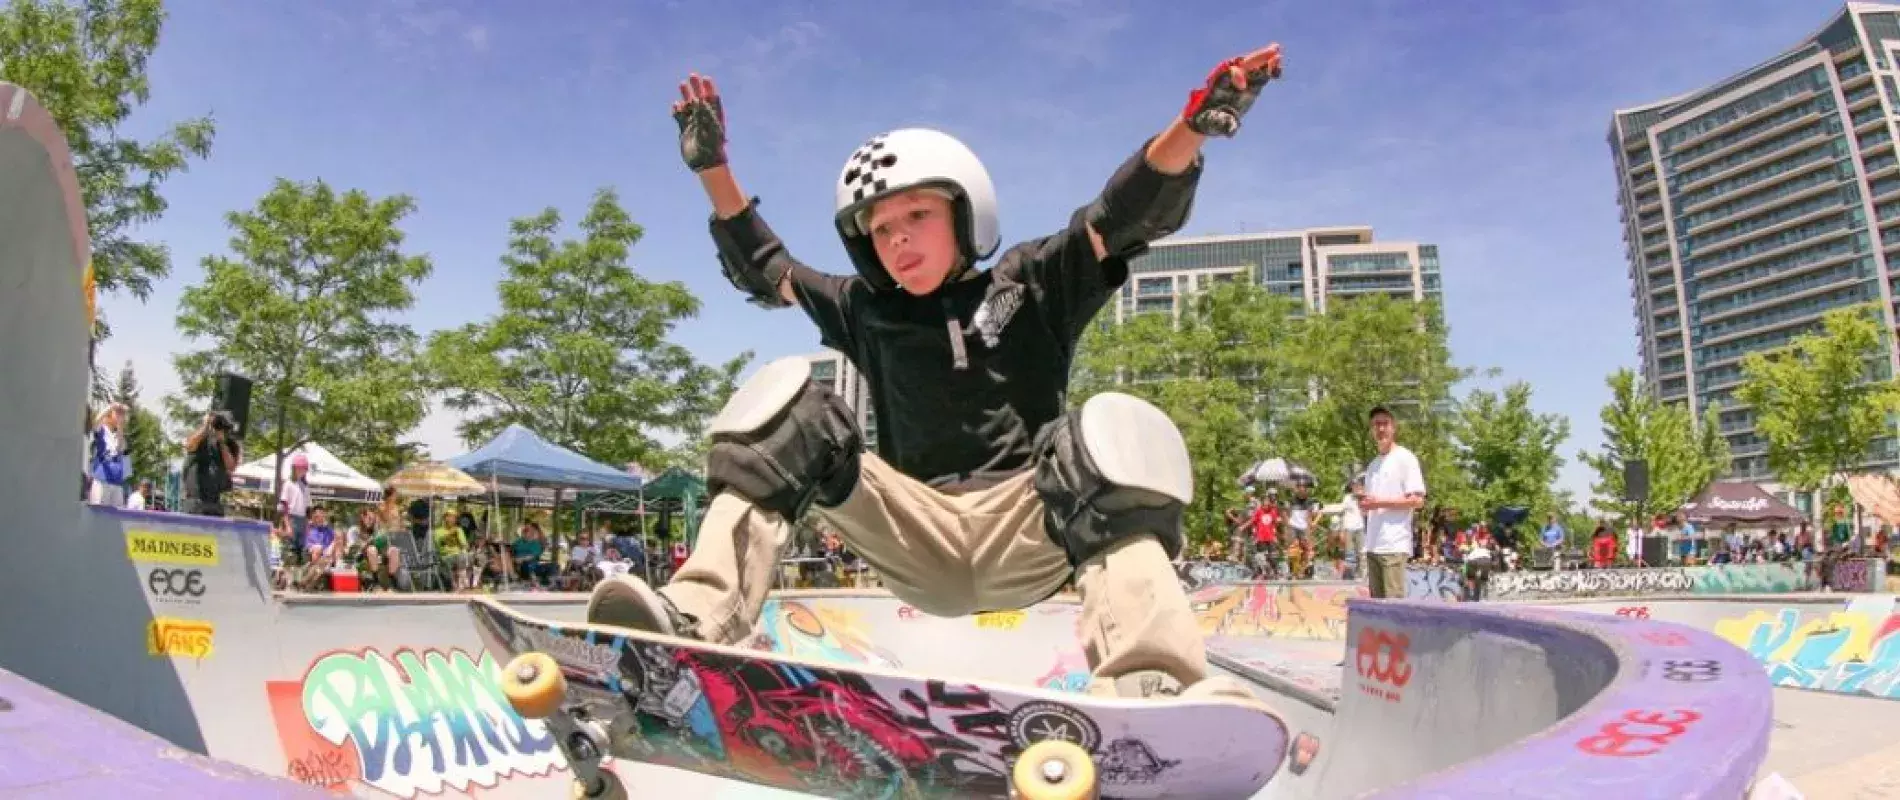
[(1636, 480), (1655, 551), (233, 394)]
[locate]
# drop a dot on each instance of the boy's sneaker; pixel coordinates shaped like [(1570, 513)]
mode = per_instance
[(626, 601), (1157, 684)]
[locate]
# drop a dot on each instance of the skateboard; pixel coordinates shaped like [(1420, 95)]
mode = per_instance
[(859, 731)]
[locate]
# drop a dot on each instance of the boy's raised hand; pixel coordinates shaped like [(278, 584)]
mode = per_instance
[(702, 121), (1216, 108)]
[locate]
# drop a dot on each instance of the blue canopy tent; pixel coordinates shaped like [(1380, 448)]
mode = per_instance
[(520, 458)]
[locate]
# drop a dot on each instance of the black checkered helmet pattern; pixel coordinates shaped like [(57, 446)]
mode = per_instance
[(911, 157)]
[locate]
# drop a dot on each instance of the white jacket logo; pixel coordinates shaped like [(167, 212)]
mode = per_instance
[(995, 313)]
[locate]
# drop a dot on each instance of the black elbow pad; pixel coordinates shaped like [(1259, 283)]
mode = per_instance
[(751, 256), (1140, 205)]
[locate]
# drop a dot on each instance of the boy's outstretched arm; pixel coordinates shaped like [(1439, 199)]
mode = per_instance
[(1149, 197), (753, 259)]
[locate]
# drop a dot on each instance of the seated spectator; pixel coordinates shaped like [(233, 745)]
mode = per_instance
[(451, 551), (527, 553), (612, 563), (419, 519), (319, 551), (631, 548), (141, 500), (578, 575), (488, 560), (379, 564)]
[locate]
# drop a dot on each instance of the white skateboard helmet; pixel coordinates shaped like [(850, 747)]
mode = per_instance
[(906, 159)]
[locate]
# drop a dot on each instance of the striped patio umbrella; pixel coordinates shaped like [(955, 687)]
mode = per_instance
[(434, 479)]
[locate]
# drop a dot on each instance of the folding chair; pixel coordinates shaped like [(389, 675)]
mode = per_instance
[(418, 559)]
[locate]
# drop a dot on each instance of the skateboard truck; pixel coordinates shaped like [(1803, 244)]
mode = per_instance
[(535, 687)]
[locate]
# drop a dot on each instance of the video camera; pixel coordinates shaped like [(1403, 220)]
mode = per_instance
[(222, 421)]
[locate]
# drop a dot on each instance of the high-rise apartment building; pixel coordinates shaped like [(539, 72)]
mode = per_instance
[(1753, 206), (1311, 266), (836, 372)]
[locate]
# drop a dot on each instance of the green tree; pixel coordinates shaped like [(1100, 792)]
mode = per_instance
[(306, 308), (1574, 516), (1508, 451), (1682, 454), (1823, 400), (145, 441), (1370, 351), (1214, 372), (579, 352), (86, 62)]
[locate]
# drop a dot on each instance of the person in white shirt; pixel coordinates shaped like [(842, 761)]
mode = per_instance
[(612, 563), (1394, 489), (1353, 522), (109, 464), (138, 501), (293, 503)]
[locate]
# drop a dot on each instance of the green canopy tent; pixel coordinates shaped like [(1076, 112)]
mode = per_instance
[(676, 485), (674, 489)]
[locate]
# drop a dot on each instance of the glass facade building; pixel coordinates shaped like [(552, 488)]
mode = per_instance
[(1311, 266), (1753, 206), (832, 369)]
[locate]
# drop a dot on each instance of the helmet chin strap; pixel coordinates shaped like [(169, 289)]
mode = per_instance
[(960, 272)]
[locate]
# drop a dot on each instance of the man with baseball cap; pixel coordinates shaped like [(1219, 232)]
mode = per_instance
[(1394, 488)]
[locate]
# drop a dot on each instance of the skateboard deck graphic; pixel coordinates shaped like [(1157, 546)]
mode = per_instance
[(861, 731)]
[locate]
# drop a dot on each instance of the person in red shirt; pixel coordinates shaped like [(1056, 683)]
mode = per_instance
[(1266, 534), (1603, 547), (680, 552)]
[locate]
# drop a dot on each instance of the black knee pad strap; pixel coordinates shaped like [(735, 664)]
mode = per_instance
[(809, 452), (1084, 513)]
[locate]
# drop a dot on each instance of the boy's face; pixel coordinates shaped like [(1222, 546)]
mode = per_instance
[(914, 233)]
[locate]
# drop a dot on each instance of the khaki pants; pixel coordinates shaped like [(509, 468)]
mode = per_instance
[(952, 555), (1385, 575)]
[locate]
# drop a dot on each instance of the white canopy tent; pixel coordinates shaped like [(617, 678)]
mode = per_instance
[(330, 478)]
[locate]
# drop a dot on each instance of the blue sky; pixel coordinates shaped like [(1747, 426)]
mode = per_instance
[(1478, 126)]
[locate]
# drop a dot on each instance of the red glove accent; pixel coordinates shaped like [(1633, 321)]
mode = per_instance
[(1199, 96)]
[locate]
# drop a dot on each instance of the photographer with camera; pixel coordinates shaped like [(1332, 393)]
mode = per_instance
[(211, 456)]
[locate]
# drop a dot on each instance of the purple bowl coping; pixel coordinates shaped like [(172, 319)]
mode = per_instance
[(1716, 757), (52, 746)]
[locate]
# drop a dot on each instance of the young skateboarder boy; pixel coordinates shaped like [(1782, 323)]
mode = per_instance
[(986, 492)]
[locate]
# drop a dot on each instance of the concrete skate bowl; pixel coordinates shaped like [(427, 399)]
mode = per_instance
[(395, 695), (1841, 644)]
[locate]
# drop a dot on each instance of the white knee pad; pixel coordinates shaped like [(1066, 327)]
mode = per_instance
[(1136, 446), (1113, 469), (784, 441), (762, 397)]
